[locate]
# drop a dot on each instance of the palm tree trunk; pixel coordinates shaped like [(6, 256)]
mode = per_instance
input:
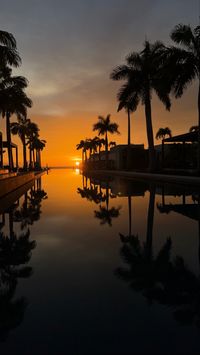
[(39, 159), (150, 218), (99, 152), (198, 154), (106, 147), (130, 215), (24, 153), (8, 133), (30, 157), (149, 128), (129, 127), (82, 157), (33, 157)]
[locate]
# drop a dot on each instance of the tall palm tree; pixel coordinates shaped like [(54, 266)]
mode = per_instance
[(105, 126), (13, 100), (129, 104), (183, 64), (21, 128), (143, 75), (163, 132), (8, 50)]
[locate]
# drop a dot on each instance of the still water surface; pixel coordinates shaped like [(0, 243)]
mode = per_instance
[(99, 266)]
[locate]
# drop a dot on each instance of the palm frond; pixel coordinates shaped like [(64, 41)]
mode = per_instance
[(182, 34)]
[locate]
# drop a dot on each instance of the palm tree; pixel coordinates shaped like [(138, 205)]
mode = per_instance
[(112, 144), (81, 145), (99, 143), (13, 100), (21, 128), (105, 126), (33, 131), (143, 75), (8, 50), (183, 64), (163, 132), (194, 129), (38, 145), (129, 104)]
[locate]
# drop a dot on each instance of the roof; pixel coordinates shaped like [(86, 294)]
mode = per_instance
[(186, 137)]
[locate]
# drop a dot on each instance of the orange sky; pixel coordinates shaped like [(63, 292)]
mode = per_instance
[(68, 59)]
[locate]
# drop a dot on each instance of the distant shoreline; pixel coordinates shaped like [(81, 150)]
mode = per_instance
[(63, 167)]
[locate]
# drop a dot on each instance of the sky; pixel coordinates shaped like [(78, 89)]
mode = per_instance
[(68, 50)]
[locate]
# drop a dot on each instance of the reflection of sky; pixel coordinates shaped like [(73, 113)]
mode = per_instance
[(73, 290), (68, 50)]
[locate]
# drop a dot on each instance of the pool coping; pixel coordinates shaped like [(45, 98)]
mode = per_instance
[(174, 179)]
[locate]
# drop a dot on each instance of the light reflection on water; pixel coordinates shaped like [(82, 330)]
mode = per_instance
[(97, 265)]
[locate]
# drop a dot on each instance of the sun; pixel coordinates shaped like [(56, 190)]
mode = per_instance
[(77, 163)]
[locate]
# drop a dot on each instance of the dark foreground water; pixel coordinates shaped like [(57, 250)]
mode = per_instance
[(99, 266)]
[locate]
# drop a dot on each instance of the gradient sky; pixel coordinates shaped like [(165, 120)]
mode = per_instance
[(69, 48)]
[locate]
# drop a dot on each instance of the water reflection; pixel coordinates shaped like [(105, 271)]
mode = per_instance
[(99, 192), (15, 253), (157, 276)]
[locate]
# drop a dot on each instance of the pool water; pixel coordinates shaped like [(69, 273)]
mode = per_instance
[(100, 265)]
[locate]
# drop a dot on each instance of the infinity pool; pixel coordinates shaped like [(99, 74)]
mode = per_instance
[(99, 265)]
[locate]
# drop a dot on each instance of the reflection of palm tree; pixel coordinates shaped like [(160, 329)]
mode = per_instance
[(106, 215), (157, 277), (122, 236), (14, 252), (91, 194)]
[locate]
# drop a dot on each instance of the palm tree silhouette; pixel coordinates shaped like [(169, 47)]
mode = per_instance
[(81, 145), (163, 132), (13, 100), (183, 63), (33, 132), (38, 145), (21, 128), (105, 126), (8, 51), (143, 75)]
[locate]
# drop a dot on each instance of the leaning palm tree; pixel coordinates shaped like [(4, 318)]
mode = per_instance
[(163, 132), (105, 126), (81, 145), (183, 64), (143, 75), (13, 100), (21, 128)]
